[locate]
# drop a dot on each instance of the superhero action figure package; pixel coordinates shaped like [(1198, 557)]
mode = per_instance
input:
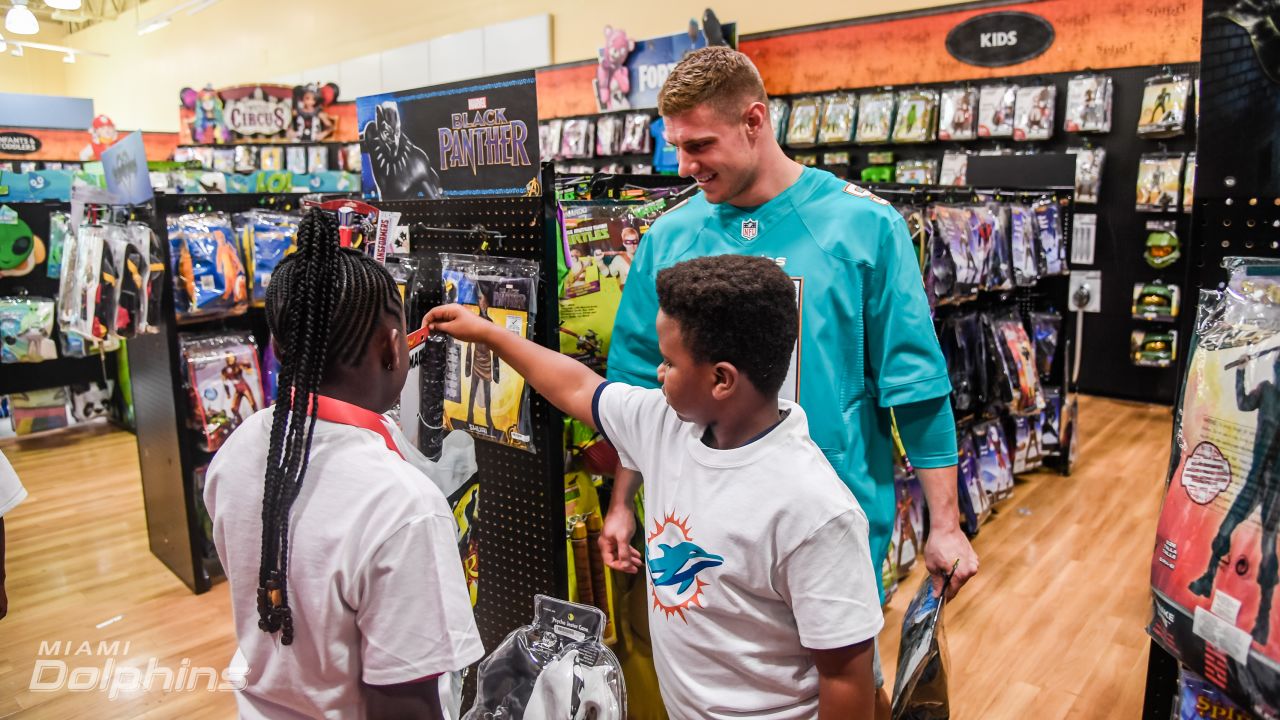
[(1033, 112), (803, 128), (996, 109), (1214, 570), (600, 244), (209, 277), (957, 118), (839, 110), (26, 330), (224, 382), (1088, 104), (555, 667), (265, 239), (481, 395), (1159, 178), (917, 117), (875, 117), (1164, 106), (924, 663)]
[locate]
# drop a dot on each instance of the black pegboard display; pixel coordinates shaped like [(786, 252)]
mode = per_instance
[(21, 377), (521, 534)]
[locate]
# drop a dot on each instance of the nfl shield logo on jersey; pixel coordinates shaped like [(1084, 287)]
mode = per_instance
[(750, 229)]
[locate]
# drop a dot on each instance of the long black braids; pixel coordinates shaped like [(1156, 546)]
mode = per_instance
[(324, 304)]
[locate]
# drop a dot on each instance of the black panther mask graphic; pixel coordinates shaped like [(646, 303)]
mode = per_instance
[(400, 168)]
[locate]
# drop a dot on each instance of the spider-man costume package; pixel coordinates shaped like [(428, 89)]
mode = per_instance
[(1214, 571)]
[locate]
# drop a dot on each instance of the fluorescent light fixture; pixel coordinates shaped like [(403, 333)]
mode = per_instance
[(20, 20), (69, 58), (198, 6), (153, 25), (64, 4), (3, 45)]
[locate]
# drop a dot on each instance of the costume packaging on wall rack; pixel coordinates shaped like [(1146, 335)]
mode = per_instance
[(965, 350), (209, 278), (1033, 112), (1188, 183), (26, 330), (635, 135), (917, 117), (265, 239), (91, 401), (957, 118), (805, 115), (975, 504), (1045, 329), (955, 168), (1159, 178), (1156, 301), (224, 383), (1198, 699), (838, 114), (996, 109), (1050, 236), (916, 172), (995, 467), (1017, 377), (578, 138), (779, 111), (1164, 106), (1214, 570), (608, 135), (556, 667), (924, 663), (482, 395), (1153, 348), (1088, 173), (1088, 104), (875, 117), (59, 229), (1025, 443)]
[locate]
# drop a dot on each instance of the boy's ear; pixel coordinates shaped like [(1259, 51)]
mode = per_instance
[(727, 379)]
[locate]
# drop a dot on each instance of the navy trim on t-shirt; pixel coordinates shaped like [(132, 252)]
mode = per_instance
[(595, 409)]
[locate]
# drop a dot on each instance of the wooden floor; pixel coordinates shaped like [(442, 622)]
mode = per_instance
[(1051, 628)]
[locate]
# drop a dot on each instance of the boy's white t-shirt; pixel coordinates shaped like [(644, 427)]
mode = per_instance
[(375, 579), (11, 490), (754, 556)]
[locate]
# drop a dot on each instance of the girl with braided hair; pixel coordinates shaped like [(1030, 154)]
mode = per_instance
[(346, 588)]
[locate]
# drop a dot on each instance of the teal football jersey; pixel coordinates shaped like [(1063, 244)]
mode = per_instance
[(866, 340)]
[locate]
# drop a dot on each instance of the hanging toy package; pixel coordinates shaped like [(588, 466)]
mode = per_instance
[(59, 229), (1159, 178), (1214, 570), (224, 382), (917, 117), (1163, 248), (209, 276), (996, 110), (1156, 301), (995, 468), (1027, 443), (482, 395), (134, 272), (1088, 173), (26, 330), (1198, 699), (555, 668), (1164, 106), (875, 117), (87, 291), (959, 111), (600, 241), (1153, 348), (1053, 247), (1189, 183), (1045, 329), (1033, 113), (1088, 104), (995, 216), (266, 238), (955, 168), (975, 504), (953, 274), (924, 664), (837, 119), (803, 128), (779, 110), (1024, 246), (1017, 375)]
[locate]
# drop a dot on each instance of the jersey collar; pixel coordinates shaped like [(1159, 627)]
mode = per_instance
[(344, 413)]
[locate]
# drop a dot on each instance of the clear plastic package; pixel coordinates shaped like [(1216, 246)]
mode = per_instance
[(996, 108), (957, 118), (875, 117), (1088, 104), (1033, 113)]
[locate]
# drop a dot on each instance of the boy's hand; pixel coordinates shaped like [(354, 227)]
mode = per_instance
[(457, 322), (615, 541)]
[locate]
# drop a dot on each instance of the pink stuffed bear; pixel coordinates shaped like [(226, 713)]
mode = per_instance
[(613, 80)]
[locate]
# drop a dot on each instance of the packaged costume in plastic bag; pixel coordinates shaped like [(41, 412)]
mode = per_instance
[(482, 395), (1159, 178), (779, 111), (1024, 245), (875, 117), (957, 119), (917, 117), (908, 533), (224, 382), (1164, 106), (803, 127), (608, 135), (1017, 377), (90, 401), (1050, 237), (995, 468), (209, 277), (996, 109), (955, 168), (1088, 173), (924, 664), (837, 118), (555, 668), (1033, 114), (1189, 183), (635, 135), (133, 258), (26, 330), (966, 354), (975, 504), (1045, 327), (953, 273), (1025, 443), (59, 229), (1088, 104), (1214, 570), (265, 238), (1198, 699)]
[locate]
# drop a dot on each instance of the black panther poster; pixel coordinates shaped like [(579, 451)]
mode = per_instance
[(464, 139)]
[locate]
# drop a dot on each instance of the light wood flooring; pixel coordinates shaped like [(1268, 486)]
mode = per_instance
[(1051, 628)]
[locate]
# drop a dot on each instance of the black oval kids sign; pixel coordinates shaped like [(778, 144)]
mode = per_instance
[(18, 143), (1000, 38)]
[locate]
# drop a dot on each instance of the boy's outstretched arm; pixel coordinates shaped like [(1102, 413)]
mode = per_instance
[(563, 381), (846, 684)]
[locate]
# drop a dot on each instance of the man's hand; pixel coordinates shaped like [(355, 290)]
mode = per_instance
[(615, 541), (457, 322), (945, 546)]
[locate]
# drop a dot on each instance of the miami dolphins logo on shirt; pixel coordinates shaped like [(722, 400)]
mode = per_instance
[(675, 562)]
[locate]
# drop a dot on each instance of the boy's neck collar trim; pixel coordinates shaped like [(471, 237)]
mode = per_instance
[(344, 413)]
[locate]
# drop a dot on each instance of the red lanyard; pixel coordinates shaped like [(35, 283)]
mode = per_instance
[(344, 413)]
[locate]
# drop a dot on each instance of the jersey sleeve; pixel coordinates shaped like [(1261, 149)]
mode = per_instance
[(415, 613), (633, 351), (830, 585), (928, 431), (634, 419), (904, 359), (11, 491)]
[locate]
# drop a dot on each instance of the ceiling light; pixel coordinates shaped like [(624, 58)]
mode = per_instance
[(69, 58), (63, 4), (17, 51), (20, 21), (200, 5), (153, 25)]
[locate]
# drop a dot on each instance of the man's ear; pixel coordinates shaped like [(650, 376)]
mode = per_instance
[(727, 379), (756, 117)]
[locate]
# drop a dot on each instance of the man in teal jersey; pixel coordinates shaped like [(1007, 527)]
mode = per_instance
[(867, 342)]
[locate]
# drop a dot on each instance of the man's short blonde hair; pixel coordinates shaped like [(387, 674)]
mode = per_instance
[(719, 76)]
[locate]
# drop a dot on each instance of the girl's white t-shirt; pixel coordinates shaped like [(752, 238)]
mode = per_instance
[(11, 490), (376, 585)]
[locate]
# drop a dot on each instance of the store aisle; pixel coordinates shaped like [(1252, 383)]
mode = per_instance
[(1051, 627)]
